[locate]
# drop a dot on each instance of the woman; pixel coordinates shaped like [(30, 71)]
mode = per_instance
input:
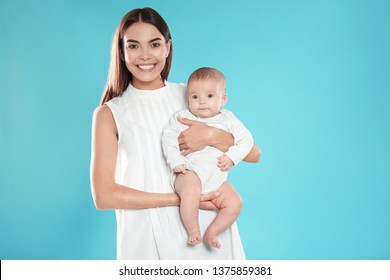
[(128, 170)]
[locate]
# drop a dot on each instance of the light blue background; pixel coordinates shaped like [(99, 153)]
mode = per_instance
[(311, 79)]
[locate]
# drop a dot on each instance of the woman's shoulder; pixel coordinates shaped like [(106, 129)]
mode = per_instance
[(103, 117), (178, 87), (102, 111), (115, 100)]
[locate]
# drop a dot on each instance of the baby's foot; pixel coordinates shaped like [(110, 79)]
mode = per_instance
[(212, 240), (194, 237)]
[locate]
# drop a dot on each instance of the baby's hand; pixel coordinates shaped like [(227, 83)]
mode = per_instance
[(180, 169), (225, 163)]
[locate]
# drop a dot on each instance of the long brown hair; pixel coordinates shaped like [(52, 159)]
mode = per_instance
[(119, 77)]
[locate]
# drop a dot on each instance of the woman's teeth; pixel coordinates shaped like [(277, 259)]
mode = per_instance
[(146, 67)]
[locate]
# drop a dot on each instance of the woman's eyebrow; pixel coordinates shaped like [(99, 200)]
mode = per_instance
[(135, 41), (155, 39)]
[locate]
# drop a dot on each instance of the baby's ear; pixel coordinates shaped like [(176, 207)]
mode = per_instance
[(224, 98)]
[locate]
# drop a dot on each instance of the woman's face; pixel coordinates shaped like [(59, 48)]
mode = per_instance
[(145, 51)]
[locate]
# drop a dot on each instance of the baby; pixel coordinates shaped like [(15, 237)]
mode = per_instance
[(198, 172)]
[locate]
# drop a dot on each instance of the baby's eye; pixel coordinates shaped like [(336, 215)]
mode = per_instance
[(194, 97), (210, 95)]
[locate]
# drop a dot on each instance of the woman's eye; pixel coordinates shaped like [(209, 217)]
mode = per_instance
[(132, 46), (156, 45)]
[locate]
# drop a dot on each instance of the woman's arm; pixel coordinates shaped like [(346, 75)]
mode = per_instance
[(200, 135), (106, 193), (254, 155)]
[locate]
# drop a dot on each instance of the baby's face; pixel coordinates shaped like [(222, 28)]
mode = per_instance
[(205, 97)]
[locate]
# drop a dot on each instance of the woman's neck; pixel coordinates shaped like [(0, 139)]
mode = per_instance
[(156, 84)]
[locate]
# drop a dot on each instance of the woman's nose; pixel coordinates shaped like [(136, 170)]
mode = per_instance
[(144, 53)]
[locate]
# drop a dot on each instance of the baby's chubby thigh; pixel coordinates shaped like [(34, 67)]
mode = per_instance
[(205, 164)]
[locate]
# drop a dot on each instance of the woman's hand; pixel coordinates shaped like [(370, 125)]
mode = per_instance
[(199, 135), (225, 194), (208, 201), (195, 137)]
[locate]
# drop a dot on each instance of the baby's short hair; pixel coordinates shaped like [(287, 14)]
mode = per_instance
[(204, 73)]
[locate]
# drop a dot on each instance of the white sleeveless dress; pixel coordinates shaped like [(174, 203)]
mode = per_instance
[(156, 233)]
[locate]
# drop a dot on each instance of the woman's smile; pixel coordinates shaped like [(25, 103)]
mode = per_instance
[(146, 67)]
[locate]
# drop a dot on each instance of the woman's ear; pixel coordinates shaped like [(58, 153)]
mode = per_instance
[(168, 45), (121, 55)]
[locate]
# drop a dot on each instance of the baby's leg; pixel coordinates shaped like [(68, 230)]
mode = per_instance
[(229, 202), (188, 187)]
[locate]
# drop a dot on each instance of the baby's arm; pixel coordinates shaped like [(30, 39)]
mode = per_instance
[(182, 168), (243, 140), (170, 144)]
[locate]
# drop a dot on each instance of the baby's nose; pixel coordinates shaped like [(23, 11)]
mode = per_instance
[(202, 100)]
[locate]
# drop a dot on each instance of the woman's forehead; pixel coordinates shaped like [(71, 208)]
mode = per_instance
[(142, 31)]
